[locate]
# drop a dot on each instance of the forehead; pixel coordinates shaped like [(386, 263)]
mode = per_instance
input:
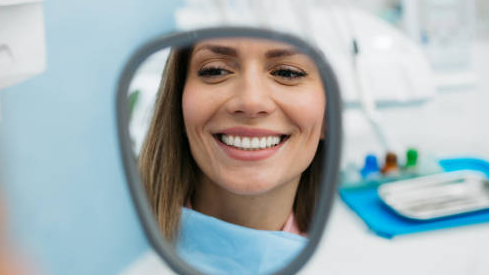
[(245, 46)]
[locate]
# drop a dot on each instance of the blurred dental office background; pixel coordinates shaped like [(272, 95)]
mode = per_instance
[(417, 81), (60, 174)]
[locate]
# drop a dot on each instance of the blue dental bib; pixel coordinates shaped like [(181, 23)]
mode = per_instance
[(217, 247)]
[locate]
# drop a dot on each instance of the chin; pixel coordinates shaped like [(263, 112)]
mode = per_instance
[(248, 187)]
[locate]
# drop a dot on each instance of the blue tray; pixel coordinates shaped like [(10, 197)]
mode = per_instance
[(384, 222)]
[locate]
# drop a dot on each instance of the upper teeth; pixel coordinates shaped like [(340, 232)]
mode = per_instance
[(250, 142)]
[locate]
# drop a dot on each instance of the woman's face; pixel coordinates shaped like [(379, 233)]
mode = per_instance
[(253, 113)]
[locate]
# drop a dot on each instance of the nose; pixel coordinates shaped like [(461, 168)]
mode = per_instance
[(251, 97)]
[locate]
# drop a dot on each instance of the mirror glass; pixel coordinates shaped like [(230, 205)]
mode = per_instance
[(228, 137)]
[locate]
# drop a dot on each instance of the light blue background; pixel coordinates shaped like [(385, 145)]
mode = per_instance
[(60, 169)]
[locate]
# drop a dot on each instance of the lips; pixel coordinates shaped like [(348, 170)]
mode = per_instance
[(250, 143)]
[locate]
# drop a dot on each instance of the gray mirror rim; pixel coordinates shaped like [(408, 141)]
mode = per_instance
[(332, 146)]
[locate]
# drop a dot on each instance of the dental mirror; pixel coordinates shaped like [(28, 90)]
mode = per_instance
[(230, 139)]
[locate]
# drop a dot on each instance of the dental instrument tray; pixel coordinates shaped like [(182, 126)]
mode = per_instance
[(437, 196)]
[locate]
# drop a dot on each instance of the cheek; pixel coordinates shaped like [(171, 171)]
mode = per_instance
[(202, 104), (308, 114), (308, 110), (196, 106)]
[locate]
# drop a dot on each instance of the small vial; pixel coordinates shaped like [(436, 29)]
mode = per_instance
[(411, 158), (371, 166), (390, 166)]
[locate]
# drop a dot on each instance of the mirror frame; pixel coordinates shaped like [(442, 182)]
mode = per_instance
[(332, 145)]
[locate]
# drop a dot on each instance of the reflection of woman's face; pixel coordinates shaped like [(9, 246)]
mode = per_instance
[(253, 113)]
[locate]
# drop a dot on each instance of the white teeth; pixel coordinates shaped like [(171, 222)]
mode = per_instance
[(245, 142), (250, 143), (237, 142), (255, 142), (269, 141), (263, 142)]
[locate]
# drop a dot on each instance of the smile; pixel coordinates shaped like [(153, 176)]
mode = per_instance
[(248, 144), (251, 143)]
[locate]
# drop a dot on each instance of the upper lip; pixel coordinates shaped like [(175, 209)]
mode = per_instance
[(249, 132)]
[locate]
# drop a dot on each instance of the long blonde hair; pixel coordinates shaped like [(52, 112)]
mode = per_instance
[(168, 170)]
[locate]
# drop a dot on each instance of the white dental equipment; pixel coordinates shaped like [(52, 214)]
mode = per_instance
[(22, 41), (437, 196)]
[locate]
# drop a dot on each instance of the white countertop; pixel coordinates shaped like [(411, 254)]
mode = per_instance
[(350, 248)]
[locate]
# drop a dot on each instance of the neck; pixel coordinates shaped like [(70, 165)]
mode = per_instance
[(266, 211)]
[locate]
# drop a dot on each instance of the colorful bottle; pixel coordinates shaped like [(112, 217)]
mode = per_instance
[(411, 158), (390, 165), (371, 166)]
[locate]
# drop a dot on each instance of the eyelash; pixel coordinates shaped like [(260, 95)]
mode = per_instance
[(285, 73), (212, 72), (288, 73)]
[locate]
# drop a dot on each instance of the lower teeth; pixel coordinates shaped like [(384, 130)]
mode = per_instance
[(252, 149)]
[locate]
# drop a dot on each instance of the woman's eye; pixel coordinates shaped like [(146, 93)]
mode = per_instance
[(288, 73), (213, 72)]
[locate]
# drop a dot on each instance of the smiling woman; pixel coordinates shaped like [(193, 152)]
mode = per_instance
[(229, 135), (253, 111), (252, 119)]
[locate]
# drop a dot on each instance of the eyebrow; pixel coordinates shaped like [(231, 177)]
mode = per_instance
[(229, 51), (223, 50), (280, 53)]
